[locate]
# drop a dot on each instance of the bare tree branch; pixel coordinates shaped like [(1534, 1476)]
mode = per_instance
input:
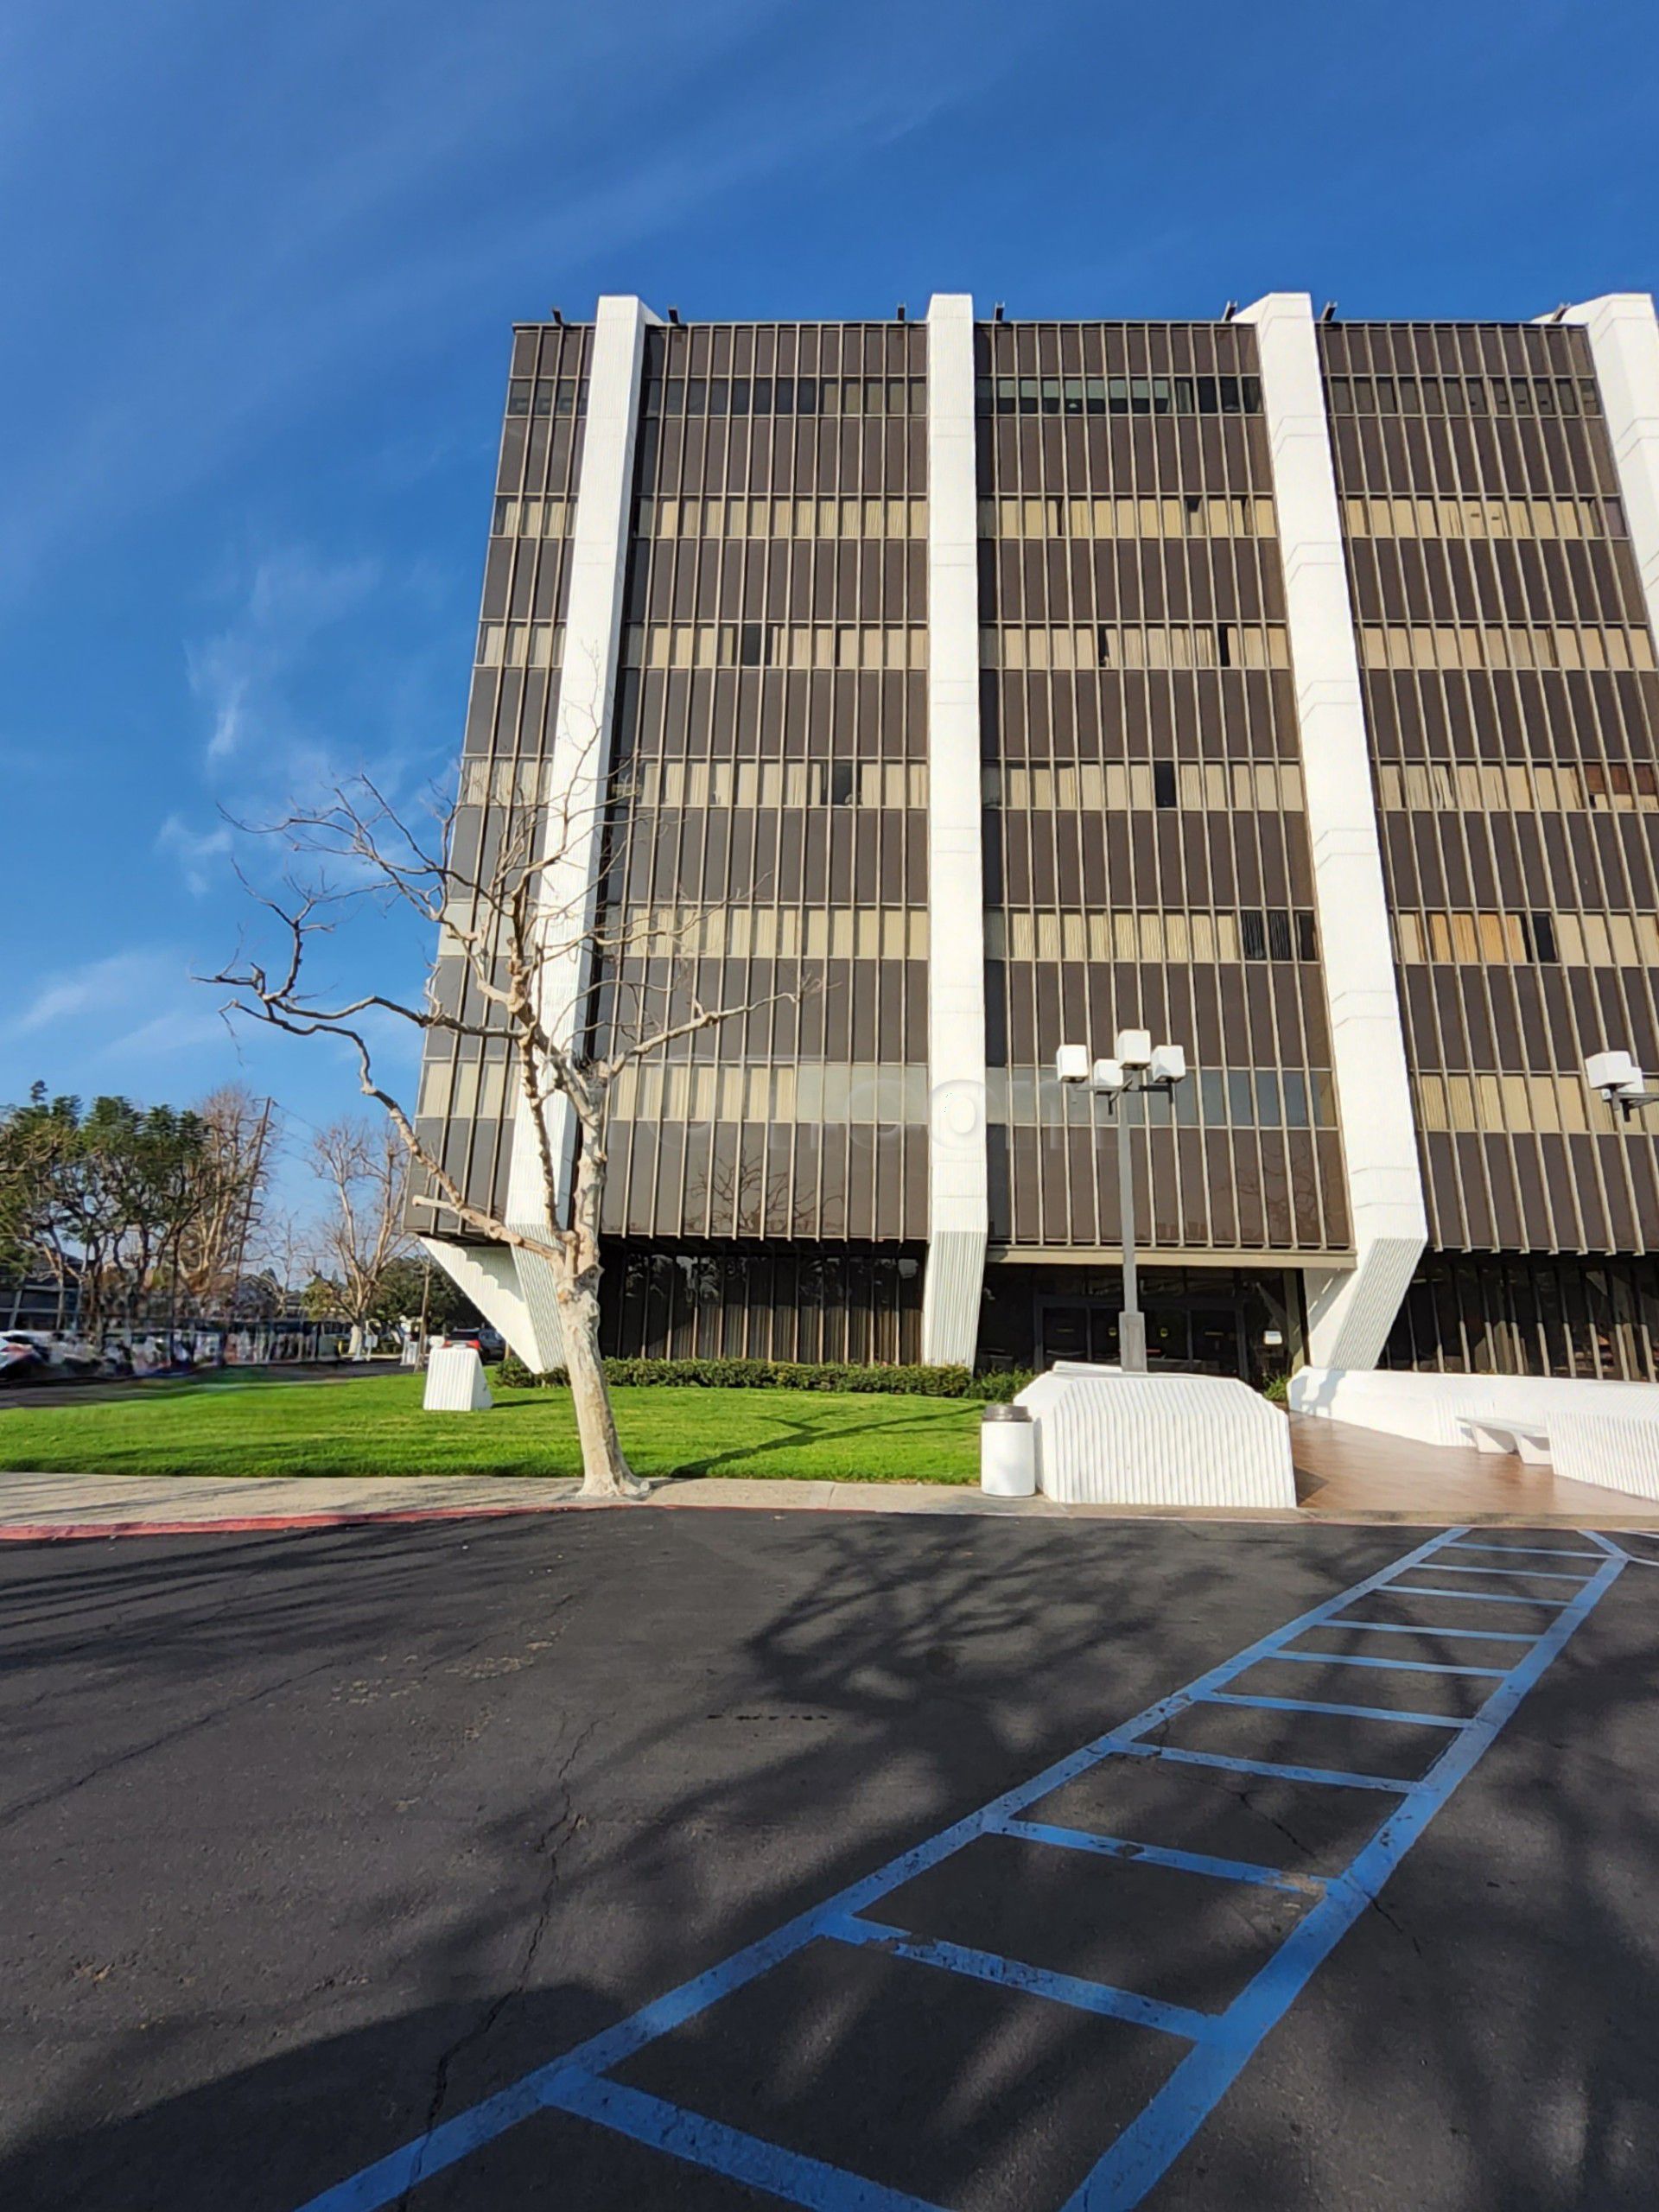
[(524, 947)]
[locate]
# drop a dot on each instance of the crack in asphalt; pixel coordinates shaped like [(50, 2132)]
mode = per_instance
[(185, 1729), (563, 1822)]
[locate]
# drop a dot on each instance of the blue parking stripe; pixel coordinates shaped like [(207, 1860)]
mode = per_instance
[(786, 2174), (1159, 1854), (1433, 1628), (1401, 1666), (1331, 1776), (1155, 2138), (1533, 1574), (1145, 2149), (1343, 1711), (1104, 1998), (1475, 1597), (1527, 1551)]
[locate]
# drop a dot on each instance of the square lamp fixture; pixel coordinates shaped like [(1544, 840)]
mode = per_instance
[(1168, 1064), (1135, 1047), (1107, 1075), (1072, 1064), (1612, 1071)]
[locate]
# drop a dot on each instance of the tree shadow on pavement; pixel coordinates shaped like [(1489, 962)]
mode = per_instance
[(323, 1840)]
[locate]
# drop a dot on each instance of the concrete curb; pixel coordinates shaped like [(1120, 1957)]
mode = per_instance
[(715, 1494)]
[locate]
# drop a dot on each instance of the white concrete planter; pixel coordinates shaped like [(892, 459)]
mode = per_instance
[(1104, 1438), (455, 1381)]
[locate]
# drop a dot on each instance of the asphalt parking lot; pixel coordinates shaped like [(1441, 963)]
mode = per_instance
[(313, 1847)]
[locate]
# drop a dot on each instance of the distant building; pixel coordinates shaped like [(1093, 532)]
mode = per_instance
[(1284, 686)]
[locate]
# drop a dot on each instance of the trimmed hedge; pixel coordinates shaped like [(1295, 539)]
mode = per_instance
[(783, 1375)]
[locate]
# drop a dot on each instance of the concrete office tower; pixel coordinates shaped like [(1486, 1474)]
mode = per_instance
[(1284, 687)]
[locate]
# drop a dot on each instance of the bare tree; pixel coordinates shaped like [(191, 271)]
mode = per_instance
[(283, 1250), (231, 1181), (363, 1167), (513, 894)]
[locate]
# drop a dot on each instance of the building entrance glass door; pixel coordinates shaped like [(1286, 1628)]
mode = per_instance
[(1202, 1334)]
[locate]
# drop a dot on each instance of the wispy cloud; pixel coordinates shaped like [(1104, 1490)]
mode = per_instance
[(195, 850), (291, 598), (102, 995)]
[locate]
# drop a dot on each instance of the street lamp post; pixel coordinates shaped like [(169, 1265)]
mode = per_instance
[(1140, 1065), (1620, 1082)]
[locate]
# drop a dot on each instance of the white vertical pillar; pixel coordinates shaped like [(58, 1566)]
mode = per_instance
[(1624, 336), (1350, 1312), (577, 769), (957, 1183)]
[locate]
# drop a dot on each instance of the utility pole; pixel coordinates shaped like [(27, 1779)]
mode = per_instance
[(247, 1209)]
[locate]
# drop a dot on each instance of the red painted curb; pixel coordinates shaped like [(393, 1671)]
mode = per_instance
[(47, 1532)]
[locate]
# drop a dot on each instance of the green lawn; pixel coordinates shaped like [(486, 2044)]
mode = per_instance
[(376, 1426)]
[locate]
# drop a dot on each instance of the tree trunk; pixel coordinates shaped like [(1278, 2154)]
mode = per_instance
[(605, 1471), (355, 1349)]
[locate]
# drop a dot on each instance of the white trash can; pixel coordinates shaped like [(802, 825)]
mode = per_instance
[(1007, 1451)]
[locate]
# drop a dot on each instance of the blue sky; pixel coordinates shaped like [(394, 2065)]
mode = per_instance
[(259, 266)]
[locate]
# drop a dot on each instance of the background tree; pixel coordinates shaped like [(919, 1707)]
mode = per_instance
[(240, 1133), (36, 1140), (364, 1168), (413, 1286), (100, 1199), (512, 909), (282, 1254)]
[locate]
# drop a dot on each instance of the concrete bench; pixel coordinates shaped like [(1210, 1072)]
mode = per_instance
[(1520, 1440)]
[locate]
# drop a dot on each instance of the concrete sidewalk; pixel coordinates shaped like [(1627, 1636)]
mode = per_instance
[(37, 1508)]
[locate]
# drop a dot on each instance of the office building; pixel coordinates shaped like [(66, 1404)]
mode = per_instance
[(967, 686)]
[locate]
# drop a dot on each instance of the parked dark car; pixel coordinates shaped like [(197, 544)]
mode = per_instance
[(490, 1342)]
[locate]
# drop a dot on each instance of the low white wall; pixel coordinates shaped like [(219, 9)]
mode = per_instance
[(1602, 1432), (1105, 1438)]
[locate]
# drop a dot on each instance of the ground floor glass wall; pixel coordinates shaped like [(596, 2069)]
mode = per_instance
[(861, 1304), (1522, 1314)]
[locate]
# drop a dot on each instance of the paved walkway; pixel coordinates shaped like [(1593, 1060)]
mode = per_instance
[(1343, 1474)]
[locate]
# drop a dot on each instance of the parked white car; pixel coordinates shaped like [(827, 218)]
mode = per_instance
[(45, 1355)]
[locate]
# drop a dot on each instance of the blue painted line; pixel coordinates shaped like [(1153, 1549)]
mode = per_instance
[(561, 2084), (1271, 1769), (1343, 1711), (1160, 1854), (1526, 1551), (1473, 1597), (1399, 1666), (1163, 2128), (1612, 1549), (1532, 1573), (786, 2174), (1111, 2003), (1434, 1628)]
